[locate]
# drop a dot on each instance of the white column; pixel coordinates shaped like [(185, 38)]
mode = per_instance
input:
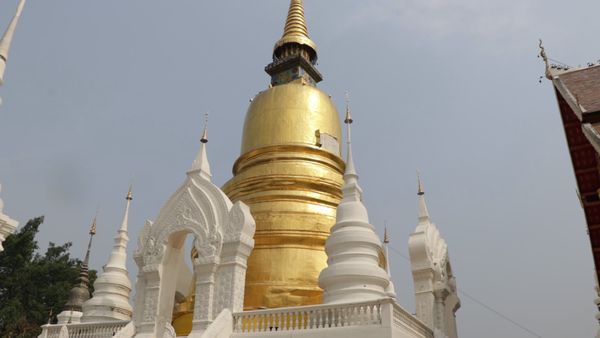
[(204, 270)]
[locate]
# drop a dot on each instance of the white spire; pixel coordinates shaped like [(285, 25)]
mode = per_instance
[(390, 290), (112, 287), (7, 39), (423, 213), (200, 164), (350, 169), (353, 273)]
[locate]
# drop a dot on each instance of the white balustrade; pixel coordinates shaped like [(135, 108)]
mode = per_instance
[(86, 330), (308, 317)]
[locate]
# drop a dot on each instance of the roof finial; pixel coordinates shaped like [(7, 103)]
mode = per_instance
[(80, 293), (92, 233), (386, 238), (204, 138), (350, 170), (200, 164), (125, 221), (296, 32), (423, 212), (420, 184), (6, 40), (546, 62)]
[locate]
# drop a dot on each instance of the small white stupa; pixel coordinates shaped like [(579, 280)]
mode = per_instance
[(112, 287), (353, 272)]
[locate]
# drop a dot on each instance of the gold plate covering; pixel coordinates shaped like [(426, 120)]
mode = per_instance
[(292, 187)]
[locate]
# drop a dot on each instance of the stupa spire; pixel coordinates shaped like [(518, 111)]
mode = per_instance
[(353, 275), (423, 212), (295, 32), (200, 164), (80, 293), (6, 40), (390, 290), (118, 256), (295, 54), (295, 23), (350, 169), (112, 287), (92, 232)]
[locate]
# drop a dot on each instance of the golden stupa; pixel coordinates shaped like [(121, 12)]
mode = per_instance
[(289, 174)]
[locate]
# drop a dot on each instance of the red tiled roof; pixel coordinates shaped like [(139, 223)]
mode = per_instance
[(583, 86)]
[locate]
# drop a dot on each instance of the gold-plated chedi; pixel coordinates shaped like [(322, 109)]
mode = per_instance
[(289, 174)]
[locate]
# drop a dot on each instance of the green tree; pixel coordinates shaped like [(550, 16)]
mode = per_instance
[(31, 283)]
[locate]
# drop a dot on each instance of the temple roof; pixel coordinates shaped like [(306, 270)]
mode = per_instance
[(581, 88)]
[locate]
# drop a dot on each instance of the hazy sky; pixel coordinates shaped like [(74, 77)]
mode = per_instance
[(100, 93)]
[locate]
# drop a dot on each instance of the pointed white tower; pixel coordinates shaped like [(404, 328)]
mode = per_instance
[(200, 164), (111, 296), (353, 273), (7, 39)]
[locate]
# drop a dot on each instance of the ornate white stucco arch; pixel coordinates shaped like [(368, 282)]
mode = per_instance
[(223, 236), (435, 285)]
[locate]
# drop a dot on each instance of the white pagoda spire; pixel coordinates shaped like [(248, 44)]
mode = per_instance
[(80, 293), (112, 288), (423, 212), (6, 40), (390, 290), (353, 273), (200, 164)]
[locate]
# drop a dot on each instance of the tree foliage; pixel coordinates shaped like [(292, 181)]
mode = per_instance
[(31, 284)]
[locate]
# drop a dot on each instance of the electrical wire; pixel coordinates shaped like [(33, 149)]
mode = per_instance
[(480, 303)]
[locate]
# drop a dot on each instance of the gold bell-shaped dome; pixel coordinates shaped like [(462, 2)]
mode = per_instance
[(289, 174)]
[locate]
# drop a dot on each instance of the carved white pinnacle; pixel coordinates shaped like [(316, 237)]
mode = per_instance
[(7, 39)]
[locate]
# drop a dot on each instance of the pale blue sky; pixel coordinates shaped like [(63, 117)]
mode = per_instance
[(98, 93)]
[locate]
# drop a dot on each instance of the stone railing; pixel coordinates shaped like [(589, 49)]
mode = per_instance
[(309, 317), (83, 330), (403, 319)]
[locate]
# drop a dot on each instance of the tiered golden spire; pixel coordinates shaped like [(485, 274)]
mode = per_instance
[(295, 23), (295, 30)]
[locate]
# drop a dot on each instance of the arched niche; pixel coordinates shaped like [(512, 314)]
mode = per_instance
[(223, 237)]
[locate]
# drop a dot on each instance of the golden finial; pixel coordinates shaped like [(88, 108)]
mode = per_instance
[(295, 30), (420, 184), (348, 119), (386, 238), (295, 24), (545, 58), (204, 138), (129, 194), (93, 227)]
